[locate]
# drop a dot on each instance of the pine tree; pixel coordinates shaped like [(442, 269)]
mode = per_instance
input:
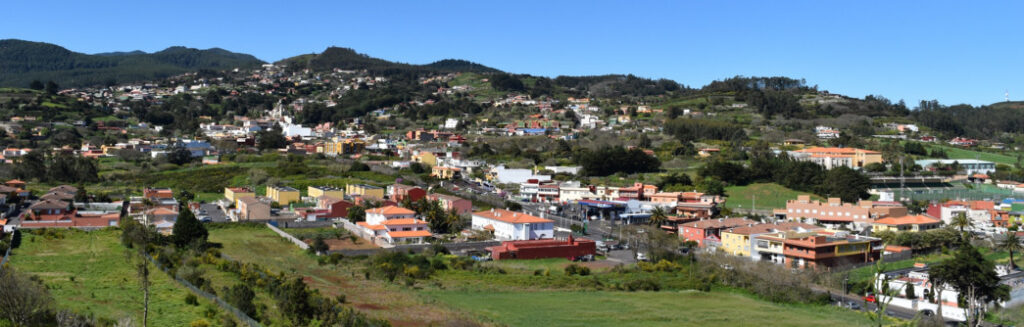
[(188, 230)]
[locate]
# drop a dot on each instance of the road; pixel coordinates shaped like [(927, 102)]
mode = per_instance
[(213, 211), (892, 311)]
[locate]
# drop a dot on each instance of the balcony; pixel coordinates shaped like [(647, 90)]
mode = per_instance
[(807, 254)]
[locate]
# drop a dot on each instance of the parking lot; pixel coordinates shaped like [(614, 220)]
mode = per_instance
[(213, 211)]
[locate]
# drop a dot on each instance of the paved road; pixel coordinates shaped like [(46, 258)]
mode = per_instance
[(213, 211), (892, 310)]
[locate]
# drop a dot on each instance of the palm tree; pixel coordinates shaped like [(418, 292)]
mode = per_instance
[(658, 216), (961, 222), (1010, 243)]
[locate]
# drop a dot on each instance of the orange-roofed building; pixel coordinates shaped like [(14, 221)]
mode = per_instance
[(912, 223), (395, 225), (511, 225), (837, 157)]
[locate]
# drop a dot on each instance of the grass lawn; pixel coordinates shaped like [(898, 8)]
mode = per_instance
[(605, 308), (769, 195), (961, 153), (87, 272), (374, 297)]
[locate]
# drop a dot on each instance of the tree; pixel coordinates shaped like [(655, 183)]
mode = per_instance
[(241, 297), (52, 87), (319, 245), (36, 85), (845, 183), (962, 222), (271, 139), (645, 142), (909, 290), (188, 230), (137, 236), (179, 155), (658, 216), (24, 301), (185, 196), (356, 214), (1010, 243), (974, 278)]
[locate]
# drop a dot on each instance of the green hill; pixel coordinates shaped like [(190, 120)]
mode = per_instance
[(22, 62), (348, 59)]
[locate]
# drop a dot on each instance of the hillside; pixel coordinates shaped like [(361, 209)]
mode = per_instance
[(349, 59), (22, 62)]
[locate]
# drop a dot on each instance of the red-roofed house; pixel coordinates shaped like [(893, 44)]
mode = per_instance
[(708, 231), (537, 249), (395, 225), (400, 192), (913, 223), (511, 225)]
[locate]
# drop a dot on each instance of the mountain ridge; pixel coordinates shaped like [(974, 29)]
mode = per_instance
[(22, 62)]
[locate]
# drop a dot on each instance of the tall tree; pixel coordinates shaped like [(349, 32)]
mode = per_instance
[(1010, 243), (658, 216), (974, 278), (23, 301), (962, 223), (188, 230)]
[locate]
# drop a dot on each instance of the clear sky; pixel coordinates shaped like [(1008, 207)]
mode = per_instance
[(955, 52)]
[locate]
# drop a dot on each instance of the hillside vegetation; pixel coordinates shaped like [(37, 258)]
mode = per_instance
[(22, 62)]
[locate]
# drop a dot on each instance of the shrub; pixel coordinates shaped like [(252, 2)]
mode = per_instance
[(191, 299), (574, 269), (643, 284), (199, 323)]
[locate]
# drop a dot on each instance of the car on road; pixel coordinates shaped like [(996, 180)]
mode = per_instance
[(869, 298), (853, 305), (640, 256)]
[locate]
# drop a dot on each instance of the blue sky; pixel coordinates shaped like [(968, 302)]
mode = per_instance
[(955, 52)]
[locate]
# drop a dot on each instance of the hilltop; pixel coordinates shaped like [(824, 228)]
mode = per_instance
[(22, 62), (349, 59)]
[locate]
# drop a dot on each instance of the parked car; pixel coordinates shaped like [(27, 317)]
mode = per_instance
[(640, 256), (869, 298), (853, 305)]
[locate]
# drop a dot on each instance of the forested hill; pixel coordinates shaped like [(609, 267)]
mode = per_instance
[(348, 59), (22, 62)]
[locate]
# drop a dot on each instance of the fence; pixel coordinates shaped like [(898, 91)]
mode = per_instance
[(289, 237), (244, 318)]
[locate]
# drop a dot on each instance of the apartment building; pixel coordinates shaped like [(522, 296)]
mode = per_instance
[(739, 241), (910, 223), (328, 191), (708, 232), (834, 213), (283, 195), (837, 157), (816, 249)]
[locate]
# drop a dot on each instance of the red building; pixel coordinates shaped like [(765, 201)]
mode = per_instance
[(539, 249), (333, 207), (451, 202), (400, 192), (709, 230)]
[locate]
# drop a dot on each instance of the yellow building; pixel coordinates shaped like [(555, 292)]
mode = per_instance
[(339, 146), (283, 195), (425, 158), (738, 240), (233, 193), (366, 191), (907, 224), (441, 172), (329, 191)]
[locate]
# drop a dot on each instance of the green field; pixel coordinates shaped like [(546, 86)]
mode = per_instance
[(961, 153), (769, 195), (258, 244), (87, 272), (605, 308)]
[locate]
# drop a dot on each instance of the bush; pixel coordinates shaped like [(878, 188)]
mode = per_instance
[(643, 284), (191, 299), (199, 323), (574, 269)]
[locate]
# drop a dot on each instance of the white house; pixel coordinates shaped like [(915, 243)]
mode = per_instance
[(970, 166), (511, 225), (451, 123), (395, 225)]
